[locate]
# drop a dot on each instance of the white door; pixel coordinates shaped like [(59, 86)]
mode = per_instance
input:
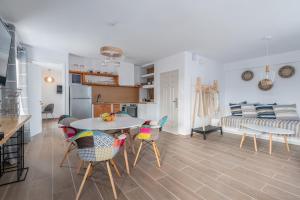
[(169, 99), (34, 98)]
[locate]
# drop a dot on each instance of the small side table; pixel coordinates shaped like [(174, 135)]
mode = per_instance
[(272, 130), (251, 133)]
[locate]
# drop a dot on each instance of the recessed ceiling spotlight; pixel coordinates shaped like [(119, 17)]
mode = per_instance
[(112, 23)]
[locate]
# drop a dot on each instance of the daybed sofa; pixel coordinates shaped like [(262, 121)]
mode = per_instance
[(237, 120)]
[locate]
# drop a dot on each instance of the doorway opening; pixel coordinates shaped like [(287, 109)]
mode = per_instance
[(46, 93)]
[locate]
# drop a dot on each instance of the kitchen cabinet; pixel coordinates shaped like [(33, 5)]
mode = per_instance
[(101, 108), (116, 108)]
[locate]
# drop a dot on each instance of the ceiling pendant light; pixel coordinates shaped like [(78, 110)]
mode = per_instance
[(268, 76), (112, 55), (49, 78)]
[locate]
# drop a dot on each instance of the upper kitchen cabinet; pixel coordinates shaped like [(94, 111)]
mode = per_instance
[(126, 74)]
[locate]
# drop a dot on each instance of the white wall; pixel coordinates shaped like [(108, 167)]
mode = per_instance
[(206, 69), (43, 57), (49, 94), (189, 69), (284, 91), (34, 88), (174, 62)]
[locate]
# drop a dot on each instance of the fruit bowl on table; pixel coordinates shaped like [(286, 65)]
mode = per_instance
[(108, 117)]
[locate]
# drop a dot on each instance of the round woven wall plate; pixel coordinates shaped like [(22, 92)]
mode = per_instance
[(286, 71), (247, 75), (264, 87)]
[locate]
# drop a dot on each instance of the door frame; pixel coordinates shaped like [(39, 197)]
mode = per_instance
[(174, 131)]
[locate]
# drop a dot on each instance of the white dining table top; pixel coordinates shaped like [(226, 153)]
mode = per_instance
[(121, 122), (268, 129)]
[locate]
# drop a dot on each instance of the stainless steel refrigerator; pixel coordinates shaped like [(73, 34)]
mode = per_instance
[(80, 101)]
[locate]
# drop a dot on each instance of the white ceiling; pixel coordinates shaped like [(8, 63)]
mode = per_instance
[(225, 30)]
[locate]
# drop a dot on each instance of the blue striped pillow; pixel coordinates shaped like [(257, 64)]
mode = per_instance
[(236, 108), (265, 111)]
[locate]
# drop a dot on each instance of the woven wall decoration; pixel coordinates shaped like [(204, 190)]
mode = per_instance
[(247, 75), (286, 71)]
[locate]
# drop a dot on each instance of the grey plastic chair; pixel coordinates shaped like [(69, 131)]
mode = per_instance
[(48, 110)]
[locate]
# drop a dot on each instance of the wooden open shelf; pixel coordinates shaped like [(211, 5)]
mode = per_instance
[(94, 73), (115, 81), (148, 76), (107, 85)]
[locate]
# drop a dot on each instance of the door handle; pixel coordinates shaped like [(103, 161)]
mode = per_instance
[(176, 102)]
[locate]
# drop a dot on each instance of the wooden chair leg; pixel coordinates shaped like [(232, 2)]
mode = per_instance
[(115, 167), (242, 141), (130, 141), (156, 154), (79, 166), (91, 171), (286, 143), (83, 181), (255, 145), (270, 144), (111, 180), (138, 153), (126, 159), (66, 154)]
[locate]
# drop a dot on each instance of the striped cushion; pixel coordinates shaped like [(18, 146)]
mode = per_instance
[(287, 112), (249, 110), (236, 108), (265, 111)]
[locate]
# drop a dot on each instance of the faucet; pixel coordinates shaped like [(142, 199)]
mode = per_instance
[(98, 97)]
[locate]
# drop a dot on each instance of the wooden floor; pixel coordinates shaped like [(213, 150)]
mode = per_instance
[(192, 169)]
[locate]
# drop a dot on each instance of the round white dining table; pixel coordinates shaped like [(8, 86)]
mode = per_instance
[(120, 123)]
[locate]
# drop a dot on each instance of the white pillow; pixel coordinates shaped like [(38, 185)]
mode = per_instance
[(249, 110), (286, 112)]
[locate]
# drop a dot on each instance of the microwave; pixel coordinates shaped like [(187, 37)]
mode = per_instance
[(75, 78)]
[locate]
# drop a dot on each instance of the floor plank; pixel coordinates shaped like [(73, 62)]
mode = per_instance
[(180, 190)]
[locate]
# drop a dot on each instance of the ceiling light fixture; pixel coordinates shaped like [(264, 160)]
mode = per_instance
[(268, 76), (112, 55)]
